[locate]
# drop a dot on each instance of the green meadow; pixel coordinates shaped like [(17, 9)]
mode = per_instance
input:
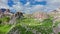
[(29, 25)]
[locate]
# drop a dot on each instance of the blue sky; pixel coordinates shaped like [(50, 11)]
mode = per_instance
[(29, 6), (32, 2), (24, 2)]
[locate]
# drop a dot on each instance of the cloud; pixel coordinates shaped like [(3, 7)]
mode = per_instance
[(18, 6), (3, 4), (39, 0), (28, 8), (52, 4), (27, 4), (4, 1), (37, 8)]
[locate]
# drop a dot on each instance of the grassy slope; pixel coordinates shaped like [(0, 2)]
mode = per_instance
[(42, 27), (4, 28)]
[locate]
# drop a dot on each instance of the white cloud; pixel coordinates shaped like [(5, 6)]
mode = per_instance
[(3, 4), (51, 5), (18, 6), (39, 0), (15, 1), (33, 8), (27, 4), (4, 1), (37, 8)]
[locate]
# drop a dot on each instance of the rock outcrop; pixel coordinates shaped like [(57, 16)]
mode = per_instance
[(40, 15), (56, 18)]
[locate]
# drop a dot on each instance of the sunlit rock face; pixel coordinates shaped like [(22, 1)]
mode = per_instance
[(55, 14), (40, 15), (28, 15)]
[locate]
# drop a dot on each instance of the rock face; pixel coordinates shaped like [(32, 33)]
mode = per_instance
[(1, 13), (5, 12), (19, 14), (28, 15), (55, 14), (40, 15), (8, 14), (15, 16), (56, 29), (56, 18)]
